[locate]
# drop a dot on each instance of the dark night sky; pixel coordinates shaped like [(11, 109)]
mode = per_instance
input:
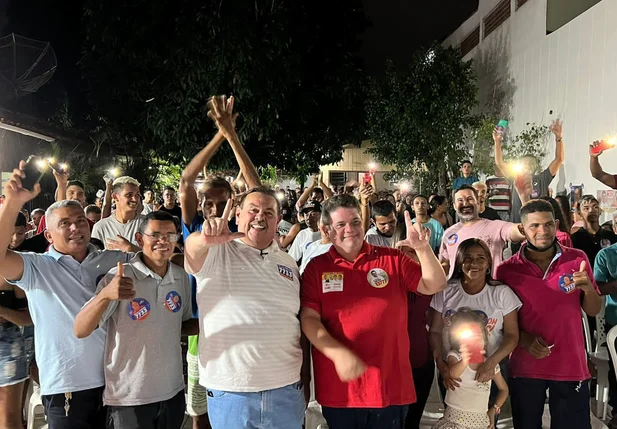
[(401, 26)]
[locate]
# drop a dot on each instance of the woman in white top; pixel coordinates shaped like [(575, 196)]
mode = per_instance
[(468, 404), (472, 287)]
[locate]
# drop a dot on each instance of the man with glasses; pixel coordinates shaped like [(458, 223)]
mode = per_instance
[(118, 231), (144, 305)]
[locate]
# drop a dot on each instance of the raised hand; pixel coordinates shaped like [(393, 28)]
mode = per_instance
[(556, 128), (14, 192), (418, 237), (581, 279), (497, 138), (216, 231), (61, 176), (221, 112), (120, 244), (366, 192), (120, 287), (594, 145)]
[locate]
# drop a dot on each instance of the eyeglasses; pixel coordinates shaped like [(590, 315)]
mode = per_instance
[(171, 237)]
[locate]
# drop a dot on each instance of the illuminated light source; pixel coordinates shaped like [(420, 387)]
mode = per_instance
[(518, 168), (41, 164), (612, 141), (51, 160), (465, 334), (280, 196), (113, 172), (64, 166), (240, 183), (372, 166), (404, 186)]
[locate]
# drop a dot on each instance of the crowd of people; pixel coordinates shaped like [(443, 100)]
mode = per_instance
[(353, 297)]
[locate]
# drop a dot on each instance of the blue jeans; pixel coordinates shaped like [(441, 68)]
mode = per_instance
[(281, 408)]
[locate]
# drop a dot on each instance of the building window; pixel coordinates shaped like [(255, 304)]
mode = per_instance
[(498, 16), (519, 3), (471, 41)]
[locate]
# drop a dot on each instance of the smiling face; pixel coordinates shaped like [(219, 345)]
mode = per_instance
[(68, 229), (345, 230), (76, 193), (127, 198), (475, 263), (466, 205), (155, 242), (258, 219)]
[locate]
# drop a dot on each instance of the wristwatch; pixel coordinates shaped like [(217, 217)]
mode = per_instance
[(497, 409)]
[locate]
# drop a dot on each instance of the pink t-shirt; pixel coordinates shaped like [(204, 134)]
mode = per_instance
[(495, 233), (551, 310)]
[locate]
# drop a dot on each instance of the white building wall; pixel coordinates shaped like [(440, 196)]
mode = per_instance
[(571, 72)]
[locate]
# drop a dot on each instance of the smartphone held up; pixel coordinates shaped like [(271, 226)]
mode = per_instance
[(471, 337)]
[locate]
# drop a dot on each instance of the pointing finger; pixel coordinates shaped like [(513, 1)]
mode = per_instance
[(227, 210)]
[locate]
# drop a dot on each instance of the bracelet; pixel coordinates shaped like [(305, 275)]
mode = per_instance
[(497, 409), (560, 139)]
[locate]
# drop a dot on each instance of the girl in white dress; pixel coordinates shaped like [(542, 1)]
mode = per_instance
[(467, 405)]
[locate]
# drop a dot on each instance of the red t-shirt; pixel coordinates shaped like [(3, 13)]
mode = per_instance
[(363, 305), (551, 310)]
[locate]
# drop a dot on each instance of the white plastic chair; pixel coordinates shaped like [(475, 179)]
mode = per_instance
[(610, 341), (599, 357), (35, 405)]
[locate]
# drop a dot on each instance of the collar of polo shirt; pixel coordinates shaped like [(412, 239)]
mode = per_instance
[(57, 255), (367, 250), (557, 254), (142, 271), (273, 247)]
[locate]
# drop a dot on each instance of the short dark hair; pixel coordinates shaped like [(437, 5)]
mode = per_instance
[(76, 183), (218, 183), (21, 220), (35, 211), (169, 188), (536, 206), (265, 191), (419, 196), (466, 162), (383, 208), (159, 215), (337, 202), (465, 245), (467, 188), (92, 209), (319, 191), (563, 226), (586, 199)]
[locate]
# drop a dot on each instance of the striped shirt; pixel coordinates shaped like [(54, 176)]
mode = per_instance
[(499, 193), (248, 302)]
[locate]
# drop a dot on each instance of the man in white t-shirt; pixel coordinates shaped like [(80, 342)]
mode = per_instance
[(311, 212), (383, 217), (118, 231), (495, 233), (250, 358)]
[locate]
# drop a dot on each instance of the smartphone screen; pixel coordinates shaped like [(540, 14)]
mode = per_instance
[(33, 171)]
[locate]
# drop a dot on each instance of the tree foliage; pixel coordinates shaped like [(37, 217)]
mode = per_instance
[(150, 66), (418, 114)]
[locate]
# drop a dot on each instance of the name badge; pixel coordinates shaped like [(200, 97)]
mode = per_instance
[(332, 282)]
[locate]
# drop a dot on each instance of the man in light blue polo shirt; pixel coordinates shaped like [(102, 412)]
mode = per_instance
[(57, 284), (605, 272)]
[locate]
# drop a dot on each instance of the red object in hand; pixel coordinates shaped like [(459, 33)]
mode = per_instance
[(604, 145), (471, 336), (367, 178)]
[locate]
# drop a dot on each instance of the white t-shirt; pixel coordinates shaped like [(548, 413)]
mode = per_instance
[(472, 396), (302, 241), (248, 302), (374, 238), (492, 303), (314, 249), (110, 227)]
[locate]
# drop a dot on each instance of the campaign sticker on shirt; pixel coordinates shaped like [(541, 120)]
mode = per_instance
[(332, 282), (285, 272), (536, 190), (566, 283), (605, 242), (452, 240), (378, 278), (139, 309), (173, 301)]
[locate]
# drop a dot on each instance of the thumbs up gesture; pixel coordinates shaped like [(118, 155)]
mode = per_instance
[(120, 287), (581, 279)]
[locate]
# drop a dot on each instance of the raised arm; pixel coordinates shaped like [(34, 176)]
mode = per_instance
[(11, 264), (188, 194), (560, 151), (499, 162), (109, 186), (326, 189), (306, 194), (62, 181), (221, 111), (596, 168), (365, 194)]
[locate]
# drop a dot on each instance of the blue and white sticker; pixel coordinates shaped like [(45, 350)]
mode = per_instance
[(285, 272), (452, 240), (173, 301), (566, 283), (139, 309)]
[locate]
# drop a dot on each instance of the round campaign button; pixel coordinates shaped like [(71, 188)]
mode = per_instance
[(604, 243), (173, 301), (378, 278), (452, 240), (139, 309), (566, 283)]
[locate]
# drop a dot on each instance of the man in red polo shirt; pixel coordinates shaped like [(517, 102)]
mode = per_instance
[(354, 313), (553, 283)]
